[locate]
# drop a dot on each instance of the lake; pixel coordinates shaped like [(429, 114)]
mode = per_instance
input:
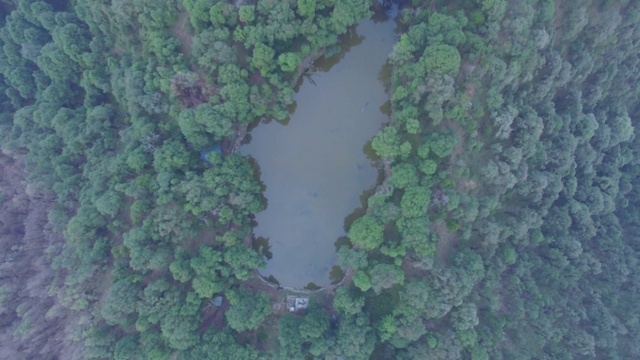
[(315, 167)]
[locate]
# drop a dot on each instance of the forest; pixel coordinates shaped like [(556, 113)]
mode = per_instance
[(504, 226)]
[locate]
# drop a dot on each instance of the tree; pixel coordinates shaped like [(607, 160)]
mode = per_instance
[(346, 302), (352, 258), (180, 267), (198, 13), (347, 13), (362, 280), (144, 252), (299, 336), (247, 310), (314, 324), (263, 59), (415, 201), (464, 317), (206, 265), (407, 331), (289, 61), (242, 261), (119, 305), (180, 324), (172, 155), (382, 208), (366, 232), (191, 130), (386, 327), (289, 341), (414, 297), (403, 50), (355, 339), (85, 225), (416, 234), (222, 13), (157, 299), (219, 346), (306, 8), (109, 203), (73, 40), (441, 59), (384, 276), (153, 346), (204, 125), (246, 13), (127, 348), (404, 175), (387, 144), (428, 167), (446, 29), (441, 144)]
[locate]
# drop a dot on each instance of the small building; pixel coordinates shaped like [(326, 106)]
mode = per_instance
[(302, 303), (217, 301), (295, 303)]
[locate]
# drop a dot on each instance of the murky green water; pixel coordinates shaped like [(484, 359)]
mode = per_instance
[(315, 168)]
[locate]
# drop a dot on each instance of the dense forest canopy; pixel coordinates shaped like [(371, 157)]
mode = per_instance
[(506, 225)]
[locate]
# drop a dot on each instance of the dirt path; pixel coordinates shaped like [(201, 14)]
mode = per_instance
[(213, 316), (179, 30), (447, 242), (459, 148)]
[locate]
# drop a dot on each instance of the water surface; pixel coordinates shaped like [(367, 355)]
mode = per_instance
[(314, 167)]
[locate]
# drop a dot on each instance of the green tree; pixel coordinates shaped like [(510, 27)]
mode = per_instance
[(243, 261), (198, 13), (347, 13), (306, 8), (180, 267), (247, 310), (366, 232), (311, 331), (446, 29), (206, 281), (180, 324), (263, 59), (386, 327), (387, 144), (441, 59), (352, 258), (415, 201), (441, 144), (355, 339), (127, 348), (246, 13), (156, 300), (219, 346), (346, 302), (145, 253), (119, 305), (428, 166), (464, 317), (172, 155), (384, 276), (362, 280), (109, 203), (404, 175), (289, 61)]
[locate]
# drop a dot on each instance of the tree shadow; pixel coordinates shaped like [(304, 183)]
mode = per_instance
[(261, 245), (333, 55), (257, 174), (361, 211)]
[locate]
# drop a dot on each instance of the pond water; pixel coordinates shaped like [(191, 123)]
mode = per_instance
[(314, 166)]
